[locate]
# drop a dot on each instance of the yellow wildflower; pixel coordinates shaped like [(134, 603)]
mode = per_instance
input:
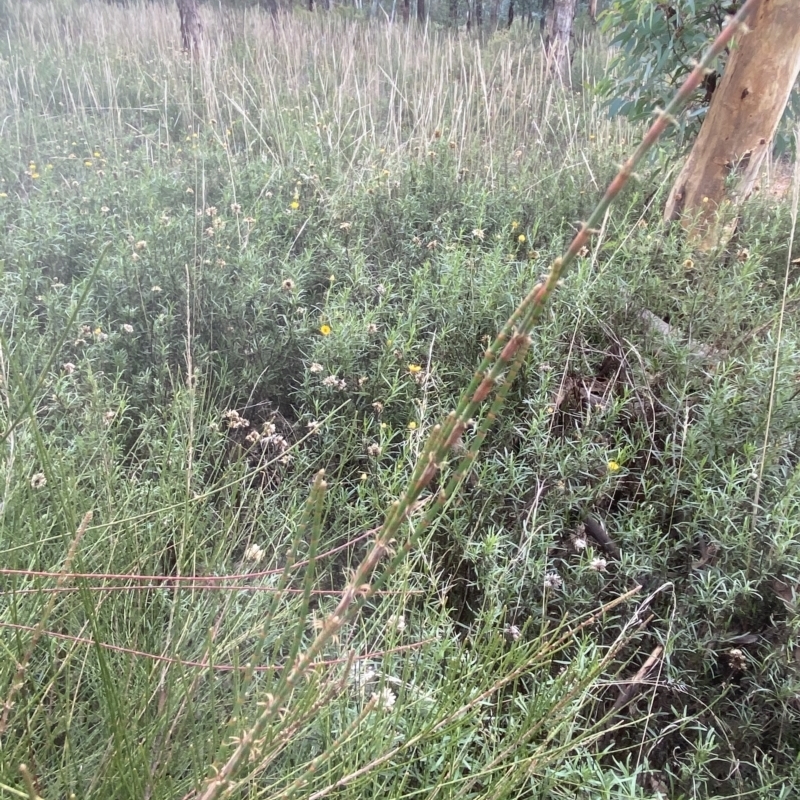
[(414, 369), (412, 426), (325, 330), (294, 205), (613, 466), (521, 238)]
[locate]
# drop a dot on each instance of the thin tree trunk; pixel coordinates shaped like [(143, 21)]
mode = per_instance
[(421, 12), (593, 10), (191, 26), (478, 14), (493, 14), (547, 14), (558, 37), (510, 13), (723, 168), (454, 12), (406, 10)]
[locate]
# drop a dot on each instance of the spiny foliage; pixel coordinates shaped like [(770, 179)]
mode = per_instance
[(292, 259)]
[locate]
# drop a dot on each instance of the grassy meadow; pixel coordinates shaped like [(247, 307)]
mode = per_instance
[(221, 276)]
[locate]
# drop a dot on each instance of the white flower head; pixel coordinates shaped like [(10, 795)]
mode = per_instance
[(553, 581), (385, 699), (254, 553), (332, 382), (512, 633), (396, 622)]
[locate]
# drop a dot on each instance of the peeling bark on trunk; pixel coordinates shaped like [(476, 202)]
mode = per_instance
[(191, 26), (558, 37), (723, 168)]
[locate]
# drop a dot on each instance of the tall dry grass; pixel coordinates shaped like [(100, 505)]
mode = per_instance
[(358, 87)]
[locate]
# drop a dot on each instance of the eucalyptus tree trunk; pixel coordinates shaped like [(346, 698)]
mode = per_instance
[(724, 166), (191, 26), (558, 37), (593, 10)]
